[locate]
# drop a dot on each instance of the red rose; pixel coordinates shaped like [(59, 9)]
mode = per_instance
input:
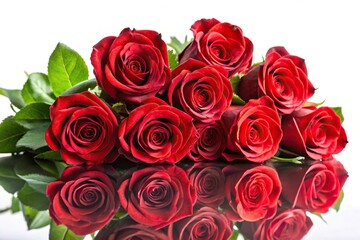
[(83, 199), (83, 128), (252, 192), (314, 187), (156, 133), (157, 196), (132, 66), (282, 77), (209, 183), (253, 131), (211, 142), (288, 224), (127, 229), (206, 223), (204, 92), (316, 133), (221, 44)]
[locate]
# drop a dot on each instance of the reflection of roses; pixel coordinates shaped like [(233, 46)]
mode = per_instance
[(209, 183), (157, 196), (315, 132), (204, 92), (206, 223), (282, 77), (132, 66), (252, 192), (84, 200), (314, 187), (211, 142), (253, 130), (83, 128), (156, 133), (288, 224), (221, 44), (127, 229)]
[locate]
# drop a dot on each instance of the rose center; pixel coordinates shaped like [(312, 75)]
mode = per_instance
[(158, 194)]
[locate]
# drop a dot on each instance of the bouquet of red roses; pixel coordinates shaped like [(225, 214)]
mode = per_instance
[(74, 138)]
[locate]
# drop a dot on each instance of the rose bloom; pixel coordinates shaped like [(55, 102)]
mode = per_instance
[(282, 77), (206, 223), (313, 132), (132, 66), (204, 92), (221, 44), (314, 187), (209, 183), (128, 229), (83, 128), (83, 199), (252, 192), (210, 143), (287, 224), (156, 133), (253, 131), (157, 196)]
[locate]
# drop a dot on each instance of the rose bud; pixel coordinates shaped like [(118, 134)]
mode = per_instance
[(314, 187), (253, 131), (156, 133), (83, 128), (316, 133), (287, 224), (252, 192), (282, 77), (221, 44), (127, 229), (84, 199), (132, 66), (206, 223), (204, 92), (157, 196), (211, 142)]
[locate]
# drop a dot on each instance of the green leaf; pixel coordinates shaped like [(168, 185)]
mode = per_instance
[(81, 87), (172, 59), (8, 178), (50, 155), (236, 100), (338, 202), (10, 133), (234, 235), (177, 45), (35, 219), (14, 96), (34, 115), (313, 104), (61, 232), (48, 166), (320, 216), (34, 138), (15, 205), (66, 68), (37, 89), (32, 198), (338, 111), (296, 160), (34, 175), (235, 80)]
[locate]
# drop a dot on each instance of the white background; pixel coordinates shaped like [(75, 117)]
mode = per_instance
[(324, 33)]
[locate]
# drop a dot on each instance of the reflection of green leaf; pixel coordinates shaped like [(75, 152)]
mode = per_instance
[(61, 232), (15, 205), (50, 155), (32, 198), (338, 202), (14, 96), (10, 133), (177, 45), (66, 68), (172, 59), (338, 111), (37, 89)]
